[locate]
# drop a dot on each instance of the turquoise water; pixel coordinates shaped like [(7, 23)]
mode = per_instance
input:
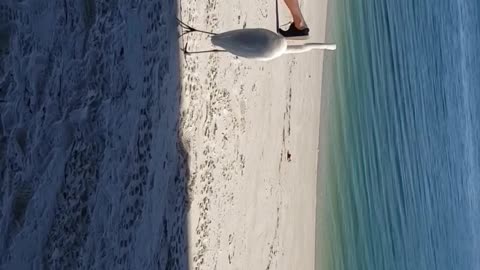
[(400, 166)]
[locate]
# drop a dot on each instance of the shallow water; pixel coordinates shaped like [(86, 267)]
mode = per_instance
[(399, 173)]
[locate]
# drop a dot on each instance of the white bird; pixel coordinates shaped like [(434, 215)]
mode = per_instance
[(255, 43)]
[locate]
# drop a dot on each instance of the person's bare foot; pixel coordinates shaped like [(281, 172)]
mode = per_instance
[(300, 25)]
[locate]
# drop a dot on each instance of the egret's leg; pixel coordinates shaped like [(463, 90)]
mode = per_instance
[(206, 51), (187, 52), (297, 15), (188, 29)]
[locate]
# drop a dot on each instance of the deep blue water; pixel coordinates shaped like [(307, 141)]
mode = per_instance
[(400, 170)]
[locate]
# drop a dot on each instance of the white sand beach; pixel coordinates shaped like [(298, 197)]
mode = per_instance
[(251, 133)]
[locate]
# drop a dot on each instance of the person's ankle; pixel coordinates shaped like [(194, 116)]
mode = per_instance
[(300, 25)]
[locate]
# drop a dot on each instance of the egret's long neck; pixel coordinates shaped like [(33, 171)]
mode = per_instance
[(310, 46)]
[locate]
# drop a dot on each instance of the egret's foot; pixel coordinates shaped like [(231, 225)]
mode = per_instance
[(185, 49), (294, 33), (187, 29)]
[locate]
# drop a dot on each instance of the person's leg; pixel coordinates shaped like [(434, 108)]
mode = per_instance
[(298, 19)]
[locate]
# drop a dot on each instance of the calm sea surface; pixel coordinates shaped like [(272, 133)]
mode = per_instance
[(399, 176)]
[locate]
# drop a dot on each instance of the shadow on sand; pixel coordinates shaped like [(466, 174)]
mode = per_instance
[(93, 172)]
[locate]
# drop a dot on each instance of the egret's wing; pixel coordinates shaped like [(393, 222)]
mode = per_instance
[(249, 43)]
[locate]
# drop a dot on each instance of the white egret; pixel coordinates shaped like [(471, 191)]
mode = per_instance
[(254, 43)]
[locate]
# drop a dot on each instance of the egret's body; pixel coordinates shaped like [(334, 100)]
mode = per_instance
[(256, 43)]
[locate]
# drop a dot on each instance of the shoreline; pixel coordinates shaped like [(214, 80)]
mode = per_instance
[(329, 64), (251, 130)]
